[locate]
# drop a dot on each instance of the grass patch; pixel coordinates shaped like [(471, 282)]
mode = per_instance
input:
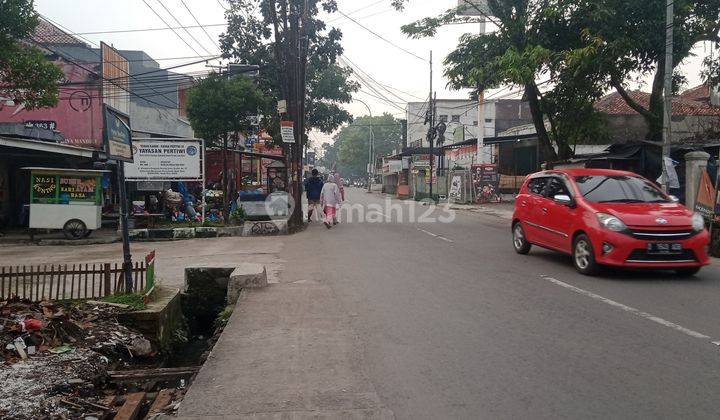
[(133, 300), (224, 316)]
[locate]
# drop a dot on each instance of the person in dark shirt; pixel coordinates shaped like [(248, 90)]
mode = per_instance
[(313, 187)]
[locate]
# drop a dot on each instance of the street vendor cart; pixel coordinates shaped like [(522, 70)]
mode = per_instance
[(66, 199)]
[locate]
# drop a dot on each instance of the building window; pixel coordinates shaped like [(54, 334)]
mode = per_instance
[(475, 123), (455, 118), (443, 118), (488, 120)]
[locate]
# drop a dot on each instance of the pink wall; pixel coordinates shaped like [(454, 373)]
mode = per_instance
[(78, 115)]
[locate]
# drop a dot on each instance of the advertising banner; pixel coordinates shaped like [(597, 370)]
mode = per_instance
[(706, 197), (486, 183), (168, 160)]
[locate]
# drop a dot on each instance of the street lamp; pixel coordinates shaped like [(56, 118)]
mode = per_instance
[(371, 151)]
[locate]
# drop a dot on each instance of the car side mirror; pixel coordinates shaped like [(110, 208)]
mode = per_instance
[(563, 200), (674, 199)]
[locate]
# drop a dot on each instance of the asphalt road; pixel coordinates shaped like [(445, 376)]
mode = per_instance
[(453, 324)]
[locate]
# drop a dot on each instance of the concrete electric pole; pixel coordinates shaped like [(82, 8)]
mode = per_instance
[(667, 93)]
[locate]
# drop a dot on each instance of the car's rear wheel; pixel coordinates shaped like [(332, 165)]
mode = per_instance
[(584, 256), (520, 243), (687, 272)]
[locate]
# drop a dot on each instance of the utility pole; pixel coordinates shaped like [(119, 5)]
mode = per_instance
[(667, 93), (431, 130)]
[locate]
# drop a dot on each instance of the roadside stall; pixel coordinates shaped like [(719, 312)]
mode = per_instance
[(65, 199), (166, 181), (264, 184)]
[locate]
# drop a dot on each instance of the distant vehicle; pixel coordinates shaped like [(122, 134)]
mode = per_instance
[(608, 218)]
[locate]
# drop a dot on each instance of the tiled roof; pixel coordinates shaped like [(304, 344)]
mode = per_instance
[(48, 33), (698, 93), (614, 104)]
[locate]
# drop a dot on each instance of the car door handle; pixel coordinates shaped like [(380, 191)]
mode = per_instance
[(544, 210), (523, 203)]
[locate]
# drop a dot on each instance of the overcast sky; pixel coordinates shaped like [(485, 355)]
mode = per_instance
[(406, 75)]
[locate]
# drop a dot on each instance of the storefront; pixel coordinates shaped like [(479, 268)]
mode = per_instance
[(18, 153)]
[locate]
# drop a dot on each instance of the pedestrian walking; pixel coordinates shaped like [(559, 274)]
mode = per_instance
[(341, 185), (331, 199), (313, 188)]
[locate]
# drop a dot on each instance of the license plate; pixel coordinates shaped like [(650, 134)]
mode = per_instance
[(664, 248)]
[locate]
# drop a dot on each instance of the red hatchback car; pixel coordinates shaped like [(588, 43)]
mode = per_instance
[(608, 218)]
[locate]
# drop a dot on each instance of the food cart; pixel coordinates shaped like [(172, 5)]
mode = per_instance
[(66, 199)]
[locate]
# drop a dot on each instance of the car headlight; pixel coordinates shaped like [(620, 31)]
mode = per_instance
[(610, 222), (698, 222)]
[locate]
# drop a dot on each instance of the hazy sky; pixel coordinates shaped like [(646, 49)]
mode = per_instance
[(404, 74)]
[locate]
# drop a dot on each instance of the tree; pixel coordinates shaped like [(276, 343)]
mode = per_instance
[(219, 107), (25, 75), (531, 43), (297, 55), (351, 144), (625, 40)]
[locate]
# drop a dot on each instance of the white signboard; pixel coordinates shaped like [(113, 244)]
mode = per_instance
[(169, 160), (473, 8), (287, 131)]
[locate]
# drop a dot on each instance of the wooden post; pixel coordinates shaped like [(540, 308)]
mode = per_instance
[(64, 286), (2, 282), (52, 269), (92, 290), (42, 295), (24, 280), (106, 280), (32, 279), (17, 280)]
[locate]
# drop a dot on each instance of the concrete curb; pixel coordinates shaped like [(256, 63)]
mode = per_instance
[(246, 275)]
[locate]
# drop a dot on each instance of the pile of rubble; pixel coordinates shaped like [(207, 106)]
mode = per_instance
[(56, 357)]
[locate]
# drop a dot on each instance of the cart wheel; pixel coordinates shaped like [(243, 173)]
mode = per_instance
[(75, 229)]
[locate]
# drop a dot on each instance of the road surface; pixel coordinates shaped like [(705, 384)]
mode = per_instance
[(454, 324), (428, 320)]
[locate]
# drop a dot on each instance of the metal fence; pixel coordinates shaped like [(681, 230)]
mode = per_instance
[(68, 281)]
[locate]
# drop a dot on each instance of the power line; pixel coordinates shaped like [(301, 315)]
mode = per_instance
[(380, 36), (198, 22), (67, 30), (356, 10), (123, 31), (70, 59), (168, 25), (172, 15), (373, 79)]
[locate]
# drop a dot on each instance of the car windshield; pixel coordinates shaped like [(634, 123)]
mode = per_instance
[(619, 189)]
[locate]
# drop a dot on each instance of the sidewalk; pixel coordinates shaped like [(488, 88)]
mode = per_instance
[(288, 352)]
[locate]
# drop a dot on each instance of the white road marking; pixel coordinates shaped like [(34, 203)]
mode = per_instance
[(434, 235), (631, 310), (426, 232)]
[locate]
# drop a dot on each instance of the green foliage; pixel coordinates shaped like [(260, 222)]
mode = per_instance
[(218, 105), (25, 75), (625, 40), (133, 300), (351, 145), (259, 33), (238, 214)]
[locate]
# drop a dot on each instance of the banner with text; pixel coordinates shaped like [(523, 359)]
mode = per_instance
[(169, 160)]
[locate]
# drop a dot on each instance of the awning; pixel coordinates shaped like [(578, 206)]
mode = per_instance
[(45, 146)]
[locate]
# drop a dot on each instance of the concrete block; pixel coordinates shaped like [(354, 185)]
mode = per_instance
[(266, 228), (183, 233), (139, 234), (246, 275), (206, 232), (160, 233), (229, 231)]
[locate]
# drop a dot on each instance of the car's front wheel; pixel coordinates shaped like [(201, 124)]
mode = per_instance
[(584, 256), (520, 243)]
